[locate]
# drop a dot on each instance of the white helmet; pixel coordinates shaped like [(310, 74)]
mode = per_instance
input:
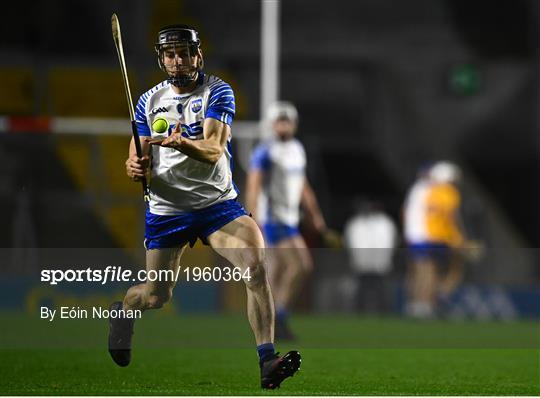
[(445, 172), (282, 110)]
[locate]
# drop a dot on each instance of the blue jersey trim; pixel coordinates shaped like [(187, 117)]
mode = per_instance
[(221, 105), (260, 160), (223, 117), (140, 110), (143, 129)]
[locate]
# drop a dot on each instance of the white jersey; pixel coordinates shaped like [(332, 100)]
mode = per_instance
[(180, 183), (415, 212), (283, 164)]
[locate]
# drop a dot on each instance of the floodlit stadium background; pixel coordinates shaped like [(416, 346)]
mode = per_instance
[(382, 86)]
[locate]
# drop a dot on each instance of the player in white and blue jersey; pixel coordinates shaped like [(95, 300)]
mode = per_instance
[(185, 129), (277, 187)]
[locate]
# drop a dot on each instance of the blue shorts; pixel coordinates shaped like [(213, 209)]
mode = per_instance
[(276, 232), (438, 252), (174, 231)]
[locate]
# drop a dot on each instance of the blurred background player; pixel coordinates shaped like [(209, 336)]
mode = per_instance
[(370, 237), (433, 231), (277, 179), (192, 195)]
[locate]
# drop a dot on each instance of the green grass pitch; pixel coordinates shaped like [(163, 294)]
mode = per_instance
[(213, 355)]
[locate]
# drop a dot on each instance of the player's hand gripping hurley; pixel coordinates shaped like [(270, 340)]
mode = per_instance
[(117, 37)]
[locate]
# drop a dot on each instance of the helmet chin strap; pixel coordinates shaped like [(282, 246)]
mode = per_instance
[(182, 81)]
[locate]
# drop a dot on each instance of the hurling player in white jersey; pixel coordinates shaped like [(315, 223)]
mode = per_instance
[(277, 176), (192, 195)]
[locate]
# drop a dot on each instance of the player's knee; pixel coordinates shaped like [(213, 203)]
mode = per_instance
[(257, 275), (158, 299), (253, 260)]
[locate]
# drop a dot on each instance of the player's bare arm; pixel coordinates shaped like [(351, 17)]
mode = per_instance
[(137, 167), (207, 150), (253, 190), (310, 204)]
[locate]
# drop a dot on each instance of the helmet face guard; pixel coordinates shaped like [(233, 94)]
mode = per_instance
[(176, 47)]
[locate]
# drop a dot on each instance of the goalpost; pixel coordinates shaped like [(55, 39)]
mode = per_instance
[(247, 133)]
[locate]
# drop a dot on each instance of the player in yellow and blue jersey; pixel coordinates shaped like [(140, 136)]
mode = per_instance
[(434, 233)]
